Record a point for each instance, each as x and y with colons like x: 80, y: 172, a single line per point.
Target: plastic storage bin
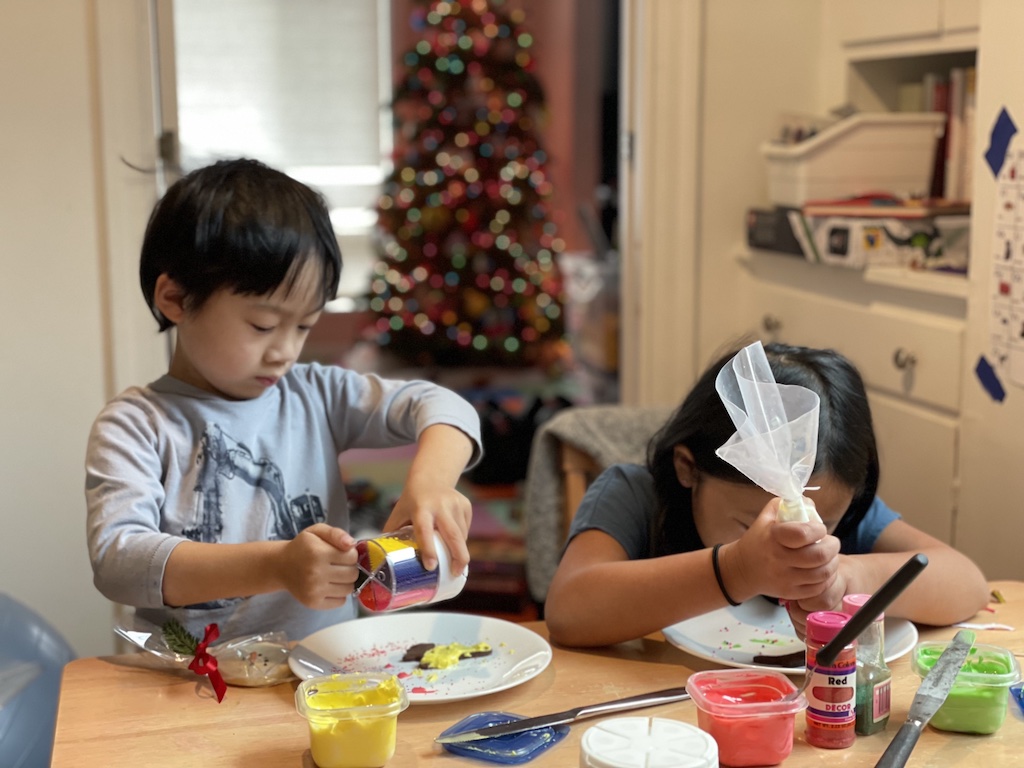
x: 353, y: 718
x: 746, y: 714
x: 892, y: 153
x: 978, y: 700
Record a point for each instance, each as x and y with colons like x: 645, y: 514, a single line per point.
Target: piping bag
x: 776, y: 436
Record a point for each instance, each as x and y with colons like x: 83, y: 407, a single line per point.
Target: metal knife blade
x: 651, y: 699
x: 931, y: 695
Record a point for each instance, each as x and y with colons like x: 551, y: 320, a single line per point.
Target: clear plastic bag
x: 253, y: 661
x: 776, y: 436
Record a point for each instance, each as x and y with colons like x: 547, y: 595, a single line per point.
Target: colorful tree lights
x: 467, y: 272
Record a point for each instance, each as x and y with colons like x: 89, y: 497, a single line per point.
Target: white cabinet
x: 869, y: 21
x: 872, y: 20
x: 961, y: 15
x: 951, y: 452
x: 907, y: 350
x: 917, y: 451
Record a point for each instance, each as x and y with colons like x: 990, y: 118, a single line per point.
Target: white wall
x: 751, y: 79
x: 991, y: 526
x: 59, y: 310
x: 51, y: 345
x: 712, y: 79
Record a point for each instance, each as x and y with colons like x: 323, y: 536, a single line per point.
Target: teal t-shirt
x: 621, y: 503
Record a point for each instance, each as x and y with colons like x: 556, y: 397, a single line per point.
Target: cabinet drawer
x: 899, y: 351
x: 917, y: 454
x: 872, y: 20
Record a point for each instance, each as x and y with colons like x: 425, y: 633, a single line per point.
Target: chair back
x: 28, y: 717
x: 568, y: 452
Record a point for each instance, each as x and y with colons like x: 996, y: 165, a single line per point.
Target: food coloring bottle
x: 831, y: 718
x: 392, y: 576
x: 873, y: 675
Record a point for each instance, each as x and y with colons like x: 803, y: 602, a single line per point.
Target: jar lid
x: 647, y: 742
x: 853, y: 603
x: 448, y: 586
x: 822, y: 626
x: 513, y: 749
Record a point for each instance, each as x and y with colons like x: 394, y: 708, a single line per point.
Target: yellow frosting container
x: 353, y: 718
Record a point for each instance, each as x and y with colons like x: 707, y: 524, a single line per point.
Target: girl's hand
x: 318, y: 566
x: 429, y: 507
x: 791, y: 561
x: 829, y: 599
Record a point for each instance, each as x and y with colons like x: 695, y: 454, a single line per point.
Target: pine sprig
x: 179, y: 639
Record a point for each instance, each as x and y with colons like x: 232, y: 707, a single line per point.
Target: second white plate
x: 733, y: 636
x: 377, y: 644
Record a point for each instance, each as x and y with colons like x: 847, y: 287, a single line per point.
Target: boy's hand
x: 319, y: 566
x: 792, y: 561
x: 435, y: 507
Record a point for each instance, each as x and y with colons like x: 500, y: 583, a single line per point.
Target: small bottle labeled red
x: 831, y: 695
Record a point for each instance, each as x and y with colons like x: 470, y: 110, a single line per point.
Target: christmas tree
x: 467, y: 272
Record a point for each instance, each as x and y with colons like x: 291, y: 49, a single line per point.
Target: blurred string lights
x: 467, y: 272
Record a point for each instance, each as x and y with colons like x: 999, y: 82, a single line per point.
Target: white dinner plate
x: 733, y: 636
x: 377, y: 644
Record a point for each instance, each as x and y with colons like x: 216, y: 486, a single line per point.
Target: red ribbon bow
x: 205, y: 663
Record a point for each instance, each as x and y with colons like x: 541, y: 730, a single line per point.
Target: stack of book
x: 953, y: 93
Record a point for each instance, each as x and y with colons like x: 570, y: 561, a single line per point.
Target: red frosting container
x: 743, y: 711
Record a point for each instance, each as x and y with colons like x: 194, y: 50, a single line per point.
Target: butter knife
x: 651, y: 699
x: 931, y: 695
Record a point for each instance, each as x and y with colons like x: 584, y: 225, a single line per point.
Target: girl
x: 694, y: 533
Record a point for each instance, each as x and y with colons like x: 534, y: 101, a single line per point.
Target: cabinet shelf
x: 939, y: 283
x: 942, y: 284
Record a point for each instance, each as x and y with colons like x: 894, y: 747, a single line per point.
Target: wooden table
x: 119, y: 710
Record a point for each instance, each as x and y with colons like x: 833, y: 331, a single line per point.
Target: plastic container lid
x: 513, y: 749
x: 647, y: 742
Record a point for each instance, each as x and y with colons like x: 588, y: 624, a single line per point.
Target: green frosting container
x: 978, y: 700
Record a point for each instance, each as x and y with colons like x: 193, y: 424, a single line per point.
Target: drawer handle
x: 903, y: 359
x: 771, y: 324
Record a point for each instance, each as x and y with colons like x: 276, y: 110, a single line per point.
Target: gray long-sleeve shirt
x: 170, y: 462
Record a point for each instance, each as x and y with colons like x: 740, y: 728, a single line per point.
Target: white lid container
x: 647, y: 742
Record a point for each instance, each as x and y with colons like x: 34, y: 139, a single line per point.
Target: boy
x: 214, y: 493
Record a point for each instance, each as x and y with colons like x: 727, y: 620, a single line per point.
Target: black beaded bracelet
x: 718, y: 574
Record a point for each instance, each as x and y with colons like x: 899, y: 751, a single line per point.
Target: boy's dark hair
x: 846, y: 439
x: 240, y: 225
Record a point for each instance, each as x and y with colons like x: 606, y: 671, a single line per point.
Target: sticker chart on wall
x: 1005, y: 359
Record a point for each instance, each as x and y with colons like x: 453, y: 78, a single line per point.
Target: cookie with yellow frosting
x: 431, y: 656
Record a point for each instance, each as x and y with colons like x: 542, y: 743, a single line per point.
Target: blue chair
x: 27, y: 719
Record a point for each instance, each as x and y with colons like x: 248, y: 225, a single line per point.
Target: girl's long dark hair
x: 846, y: 438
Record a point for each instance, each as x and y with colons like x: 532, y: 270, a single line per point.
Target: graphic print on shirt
x: 228, y: 477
